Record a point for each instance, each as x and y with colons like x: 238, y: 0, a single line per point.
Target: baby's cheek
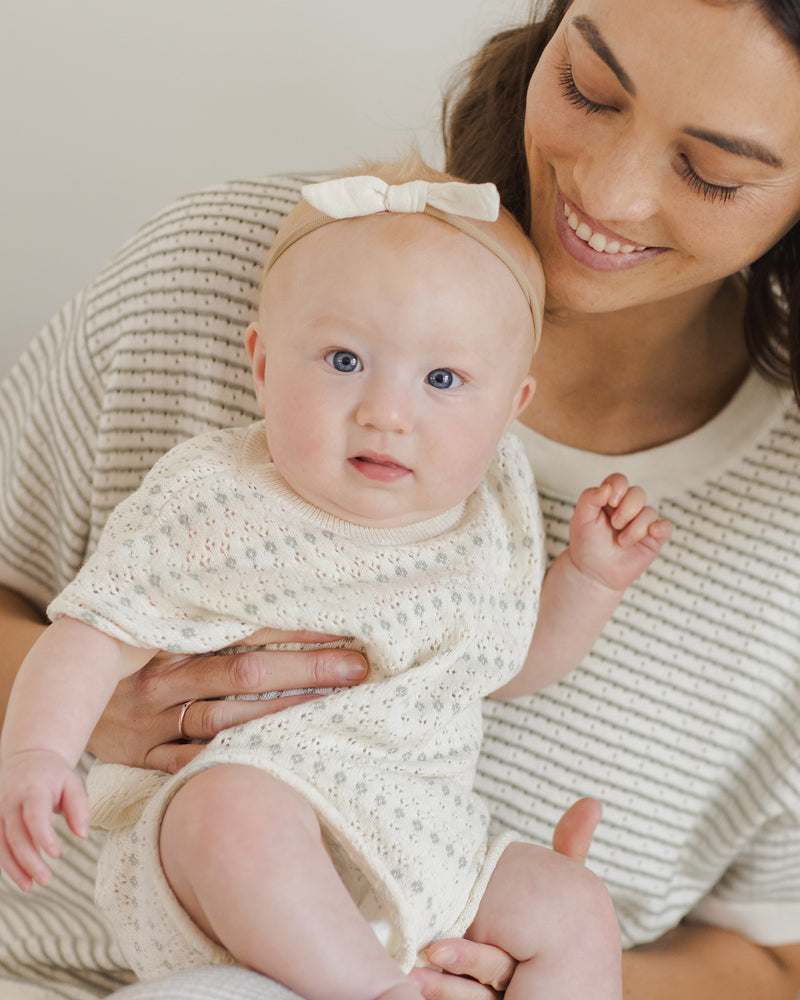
x: 466, y: 465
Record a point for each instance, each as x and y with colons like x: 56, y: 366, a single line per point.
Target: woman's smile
x: 596, y: 246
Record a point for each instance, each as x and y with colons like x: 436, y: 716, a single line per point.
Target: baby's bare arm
x: 614, y: 536
x: 58, y: 695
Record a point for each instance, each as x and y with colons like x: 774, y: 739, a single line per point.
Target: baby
x: 379, y: 499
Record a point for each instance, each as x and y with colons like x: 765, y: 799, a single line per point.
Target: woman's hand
x: 176, y: 698
x: 472, y: 971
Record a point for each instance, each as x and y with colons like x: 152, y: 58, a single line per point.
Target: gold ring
x: 182, y: 716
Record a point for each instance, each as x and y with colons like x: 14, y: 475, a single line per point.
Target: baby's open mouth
x: 376, y: 466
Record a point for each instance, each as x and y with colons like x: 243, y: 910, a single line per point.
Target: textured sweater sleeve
x: 163, y: 555
x: 49, y: 415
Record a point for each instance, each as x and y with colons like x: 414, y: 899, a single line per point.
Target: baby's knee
x: 536, y: 895
x: 232, y: 802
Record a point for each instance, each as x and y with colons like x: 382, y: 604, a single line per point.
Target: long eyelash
x: 710, y: 192
x: 570, y: 90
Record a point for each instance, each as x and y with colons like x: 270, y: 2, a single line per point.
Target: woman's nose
x: 386, y: 406
x: 617, y: 180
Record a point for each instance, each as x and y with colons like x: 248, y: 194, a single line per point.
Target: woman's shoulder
x: 192, y: 271
x: 164, y: 324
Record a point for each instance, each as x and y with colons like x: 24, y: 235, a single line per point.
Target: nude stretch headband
x: 355, y: 197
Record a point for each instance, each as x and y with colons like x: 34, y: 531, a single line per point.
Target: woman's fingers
x: 203, y: 720
x: 488, y: 969
x: 171, y: 757
x: 253, y: 671
x: 440, y: 986
x: 574, y: 831
x: 145, y: 710
x: 273, y: 636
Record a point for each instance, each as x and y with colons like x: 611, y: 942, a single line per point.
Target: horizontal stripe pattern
x: 683, y: 721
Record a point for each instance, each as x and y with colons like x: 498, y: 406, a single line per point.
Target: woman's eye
x: 577, y: 99
x: 443, y: 378
x: 344, y: 361
x: 709, y: 191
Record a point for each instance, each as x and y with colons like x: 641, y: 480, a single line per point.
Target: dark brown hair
x: 483, y: 118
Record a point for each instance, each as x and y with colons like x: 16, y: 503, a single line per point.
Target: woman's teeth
x: 597, y: 241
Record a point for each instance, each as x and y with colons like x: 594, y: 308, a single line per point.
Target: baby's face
x: 390, y: 356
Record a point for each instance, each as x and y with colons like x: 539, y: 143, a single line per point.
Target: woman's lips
x: 596, y: 247
x: 382, y: 468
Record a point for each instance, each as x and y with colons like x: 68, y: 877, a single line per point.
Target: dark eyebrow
x: 731, y: 144
x: 740, y: 147
x: 597, y: 43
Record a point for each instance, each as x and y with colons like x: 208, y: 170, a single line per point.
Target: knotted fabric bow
x: 452, y: 202
x: 352, y: 197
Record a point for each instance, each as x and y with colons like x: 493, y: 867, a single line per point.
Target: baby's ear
x: 522, y: 397
x: 254, y: 344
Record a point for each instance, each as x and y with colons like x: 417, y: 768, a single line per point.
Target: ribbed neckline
x: 255, y: 462
x: 670, y: 468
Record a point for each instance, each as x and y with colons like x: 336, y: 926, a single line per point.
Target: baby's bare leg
x: 244, y: 855
x: 556, y: 919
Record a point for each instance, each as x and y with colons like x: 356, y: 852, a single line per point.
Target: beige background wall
x: 112, y: 108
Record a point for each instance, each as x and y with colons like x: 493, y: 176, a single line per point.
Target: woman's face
x: 663, y: 143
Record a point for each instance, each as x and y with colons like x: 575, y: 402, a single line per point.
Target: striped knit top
x: 685, y: 719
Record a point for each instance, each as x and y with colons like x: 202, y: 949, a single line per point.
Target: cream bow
x: 351, y: 197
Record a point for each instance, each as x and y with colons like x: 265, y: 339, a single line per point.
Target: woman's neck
x: 619, y: 383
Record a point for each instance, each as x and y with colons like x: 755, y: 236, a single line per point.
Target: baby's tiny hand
x: 33, y: 785
x: 614, y: 534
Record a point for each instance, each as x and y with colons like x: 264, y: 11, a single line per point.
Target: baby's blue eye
x: 443, y: 378
x: 344, y: 361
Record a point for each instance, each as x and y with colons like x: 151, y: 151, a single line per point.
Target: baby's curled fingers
x: 615, y: 486
x: 21, y: 859
x: 628, y: 507
x: 75, y: 806
x: 602, y: 501
x: 37, y: 820
x: 8, y: 864
x: 646, y: 527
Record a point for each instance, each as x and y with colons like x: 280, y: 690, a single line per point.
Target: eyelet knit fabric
x: 215, y: 545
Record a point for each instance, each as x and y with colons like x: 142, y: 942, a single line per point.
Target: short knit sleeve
x: 147, y: 581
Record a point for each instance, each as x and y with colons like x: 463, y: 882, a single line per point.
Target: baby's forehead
x: 400, y: 231
x: 453, y: 246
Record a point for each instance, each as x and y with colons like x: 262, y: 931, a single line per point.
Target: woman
x: 659, y: 148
